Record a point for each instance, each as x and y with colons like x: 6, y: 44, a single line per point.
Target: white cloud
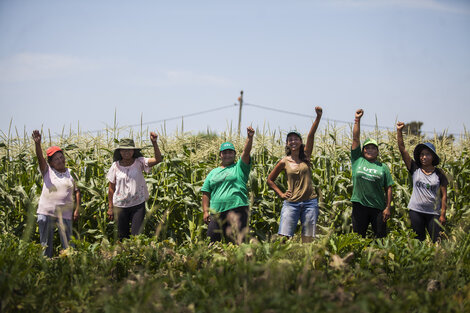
x: 35, y: 66
x: 460, y: 7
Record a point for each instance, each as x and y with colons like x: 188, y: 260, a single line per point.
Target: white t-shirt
x: 131, y: 188
x: 426, y: 195
x: 57, y: 194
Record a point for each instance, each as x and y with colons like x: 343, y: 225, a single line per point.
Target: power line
x: 259, y: 107
x: 172, y: 118
x: 333, y: 120
x: 311, y: 116
x: 184, y: 116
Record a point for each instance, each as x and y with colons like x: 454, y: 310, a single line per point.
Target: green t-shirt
x: 369, y: 181
x: 227, y: 186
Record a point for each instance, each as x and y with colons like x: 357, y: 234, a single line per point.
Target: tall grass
x: 171, y: 267
x: 174, y: 185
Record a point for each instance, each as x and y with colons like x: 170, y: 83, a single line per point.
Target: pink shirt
x: 131, y: 188
x: 57, y: 194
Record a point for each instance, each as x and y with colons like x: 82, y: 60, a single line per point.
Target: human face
x: 227, y: 157
x: 293, y: 142
x: 57, y: 161
x: 370, y: 152
x: 426, y: 157
x: 126, y: 154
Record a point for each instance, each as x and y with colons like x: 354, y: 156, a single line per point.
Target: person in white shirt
x: 127, y: 192
x: 428, y: 202
x: 56, y: 204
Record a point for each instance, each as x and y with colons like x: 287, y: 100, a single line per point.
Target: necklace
x: 428, y: 172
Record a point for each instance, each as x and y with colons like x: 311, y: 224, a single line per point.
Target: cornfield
x: 171, y: 267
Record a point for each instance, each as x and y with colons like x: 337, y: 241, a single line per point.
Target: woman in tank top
x: 428, y: 200
x: 300, y: 198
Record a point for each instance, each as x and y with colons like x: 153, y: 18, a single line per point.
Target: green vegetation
x: 171, y: 267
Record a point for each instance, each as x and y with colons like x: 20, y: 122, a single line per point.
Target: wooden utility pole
x: 240, y: 100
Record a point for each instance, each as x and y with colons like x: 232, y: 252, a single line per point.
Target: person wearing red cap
x: 428, y: 202
x: 56, y: 204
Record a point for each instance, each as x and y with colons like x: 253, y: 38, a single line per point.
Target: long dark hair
x: 303, y: 157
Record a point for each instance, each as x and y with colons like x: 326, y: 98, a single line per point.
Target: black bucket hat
x: 426, y: 145
x: 126, y: 144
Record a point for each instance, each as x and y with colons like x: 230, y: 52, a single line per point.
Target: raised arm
x: 156, y: 150
x: 280, y: 166
x: 37, y: 141
x: 357, y: 129
x: 248, y: 144
x: 311, y: 134
x: 401, y: 145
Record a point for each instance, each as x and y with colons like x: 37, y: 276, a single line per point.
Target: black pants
x: 362, y: 216
x: 231, y: 224
x: 422, y: 221
x: 133, y: 215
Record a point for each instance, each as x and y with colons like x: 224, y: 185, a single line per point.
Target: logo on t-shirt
x: 370, y: 174
x: 427, y: 186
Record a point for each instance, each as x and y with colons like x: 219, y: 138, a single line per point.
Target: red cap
x: 51, y: 150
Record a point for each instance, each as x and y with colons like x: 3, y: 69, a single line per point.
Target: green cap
x: 294, y: 132
x: 370, y: 141
x: 227, y: 146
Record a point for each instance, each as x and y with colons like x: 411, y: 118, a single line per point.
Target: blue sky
x: 69, y: 62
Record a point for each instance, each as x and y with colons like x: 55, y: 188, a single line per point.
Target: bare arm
x: 111, y: 189
x: 442, y: 218
x: 401, y: 145
x: 357, y: 130
x: 76, y: 214
x: 311, y: 134
x: 280, y: 166
x: 386, y: 213
x: 248, y: 145
x: 206, y: 199
x: 156, y: 150
x: 37, y: 141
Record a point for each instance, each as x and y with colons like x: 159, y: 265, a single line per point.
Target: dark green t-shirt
x: 369, y: 181
x: 227, y: 186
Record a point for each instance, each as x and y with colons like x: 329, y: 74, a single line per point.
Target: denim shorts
x: 307, y: 211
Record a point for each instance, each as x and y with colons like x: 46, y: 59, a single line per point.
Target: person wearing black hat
x: 127, y: 192
x: 372, y: 185
x: 300, y: 198
x: 428, y: 202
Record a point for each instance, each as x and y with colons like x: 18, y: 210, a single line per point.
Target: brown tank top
x: 299, y: 181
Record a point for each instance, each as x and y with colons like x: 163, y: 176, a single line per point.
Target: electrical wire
x: 333, y: 120
x: 259, y: 107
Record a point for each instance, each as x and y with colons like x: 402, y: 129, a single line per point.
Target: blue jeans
x: 46, y: 227
x: 307, y: 211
